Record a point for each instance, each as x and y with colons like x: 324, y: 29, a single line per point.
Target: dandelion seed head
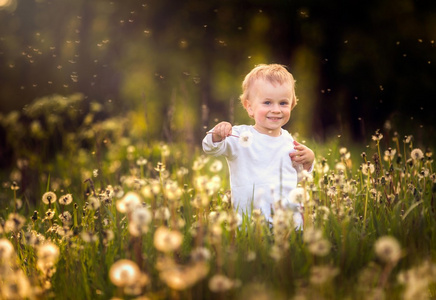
x: 246, y: 139
x: 320, y: 248
x: 141, y: 161
x: 176, y: 278
x: 88, y: 237
x: 200, y: 254
x: 48, y: 252
x: 220, y: 283
x: 167, y: 240
x: 14, y: 223
x: 6, y: 249
x: 216, y: 166
x: 298, y: 196
x: 66, y: 218
x: 124, y: 272
x: 388, y: 249
x: 312, y: 235
x: 66, y: 199
x: 321, y: 274
x: 49, y: 198
x: 129, y: 202
x: 417, y: 154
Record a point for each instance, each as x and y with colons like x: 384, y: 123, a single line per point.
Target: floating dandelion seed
x: 49, y: 198
x: 246, y: 139
x: 388, y: 249
x: 124, y: 273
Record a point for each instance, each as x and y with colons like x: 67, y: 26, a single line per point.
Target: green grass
x: 349, y: 213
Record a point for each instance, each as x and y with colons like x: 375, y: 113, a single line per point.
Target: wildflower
x: 246, y: 139
x: 221, y: 283
x: 66, y: 199
x: 124, y: 272
x: 166, y: 240
x: 417, y: 154
x: 6, y: 249
x: 388, y: 249
x: 49, y: 198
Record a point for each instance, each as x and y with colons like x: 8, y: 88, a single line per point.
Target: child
x: 261, y: 160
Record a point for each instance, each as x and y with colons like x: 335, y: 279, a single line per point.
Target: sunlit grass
x: 125, y: 218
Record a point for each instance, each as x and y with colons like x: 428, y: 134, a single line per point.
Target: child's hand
x: 302, y: 155
x: 221, y: 131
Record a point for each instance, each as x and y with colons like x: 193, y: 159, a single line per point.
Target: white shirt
x: 260, y: 174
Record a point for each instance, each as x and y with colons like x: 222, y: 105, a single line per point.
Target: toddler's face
x: 270, y: 106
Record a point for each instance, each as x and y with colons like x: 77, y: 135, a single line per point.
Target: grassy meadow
x: 91, y: 209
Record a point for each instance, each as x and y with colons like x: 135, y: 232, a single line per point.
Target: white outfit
x: 260, y: 174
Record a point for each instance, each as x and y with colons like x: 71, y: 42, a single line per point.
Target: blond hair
x: 273, y: 73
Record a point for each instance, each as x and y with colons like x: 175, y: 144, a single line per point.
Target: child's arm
x: 302, y: 155
x: 221, y: 131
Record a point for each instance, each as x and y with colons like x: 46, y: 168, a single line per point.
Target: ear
x: 248, y: 108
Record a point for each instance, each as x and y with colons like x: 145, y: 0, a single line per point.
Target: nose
x: 275, y: 108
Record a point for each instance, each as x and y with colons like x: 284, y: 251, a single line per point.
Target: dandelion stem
x: 211, y: 132
x: 366, y: 199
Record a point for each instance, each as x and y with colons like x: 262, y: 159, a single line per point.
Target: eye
x: 267, y: 102
x: 284, y: 103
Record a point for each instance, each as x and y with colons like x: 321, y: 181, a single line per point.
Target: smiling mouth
x: 274, y: 118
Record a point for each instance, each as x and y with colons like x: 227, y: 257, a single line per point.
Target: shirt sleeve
x: 211, y: 148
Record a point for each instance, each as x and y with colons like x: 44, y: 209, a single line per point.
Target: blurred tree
x: 177, y: 66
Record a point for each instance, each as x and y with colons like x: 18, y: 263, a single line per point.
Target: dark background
x: 359, y: 65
